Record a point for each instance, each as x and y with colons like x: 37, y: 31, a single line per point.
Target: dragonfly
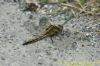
x: 50, y: 31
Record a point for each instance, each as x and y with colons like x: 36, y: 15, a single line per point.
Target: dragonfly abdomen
x: 34, y: 40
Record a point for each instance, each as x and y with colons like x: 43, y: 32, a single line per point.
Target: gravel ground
x: 78, y: 41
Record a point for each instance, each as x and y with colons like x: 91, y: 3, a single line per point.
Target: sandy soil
x: 79, y: 40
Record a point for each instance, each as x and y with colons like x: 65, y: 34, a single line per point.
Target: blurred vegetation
x: 85, y: 6
x: 81, y: 6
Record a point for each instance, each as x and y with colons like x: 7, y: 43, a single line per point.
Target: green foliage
x: 62, y: 1
x: 43, y: 1
x: 82, y: 2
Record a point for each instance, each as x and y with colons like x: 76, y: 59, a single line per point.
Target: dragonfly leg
x: 52, y: 41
